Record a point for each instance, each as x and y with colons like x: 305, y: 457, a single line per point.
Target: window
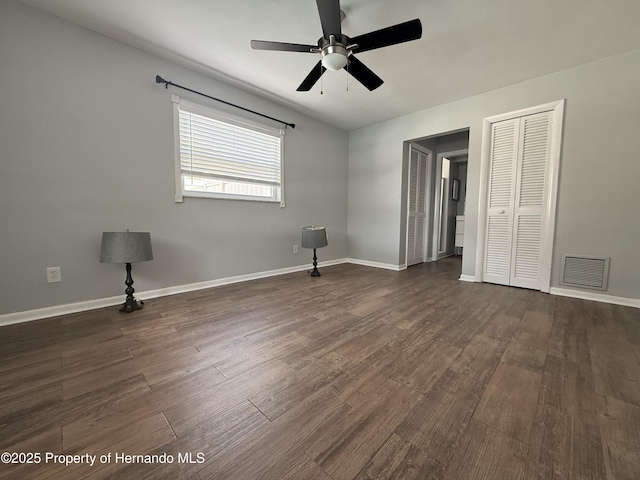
x: 220, y: 156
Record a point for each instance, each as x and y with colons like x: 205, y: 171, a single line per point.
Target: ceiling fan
x: 337, y: 49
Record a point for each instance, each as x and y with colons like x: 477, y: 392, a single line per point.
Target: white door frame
x: 546, y: 254
x: 435, y: 245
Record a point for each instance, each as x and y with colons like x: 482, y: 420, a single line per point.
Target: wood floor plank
x: 437, y: 421
x: 569, y: 387
x: 479, y: 358
x: 366, y: 376
x: 343, y: 459
x: 17, y: 402
x: 509, y: 401
x: 187, y: 414
x: 616, y: 372
x: 328, y: 434
x: 462, y: 325
x: 407, y: 318
x: 626, y: 317
x: 315, y: 328
x: 267, y: 448
x: 563, y: 446
x: 536, y: 323
x: 422, y: 370
x: 137, y: 401
x: 526, y: 350
x: 140, y: 438
x: 403, y: 460
x: 500, y: 327
x: 529, y: 344
x: 24, y: 338
x: 487, y: 454
x: 170, y: 367
x: 94, y: 379
x: 360, y: 347
x: 276, y: 399
x: 619, y: 423
x: 30, y: 421
x: 77, y: 338
x: 306, y: 470
x: 211, y: 438
x: 568, y: 337
x: 49, y: 440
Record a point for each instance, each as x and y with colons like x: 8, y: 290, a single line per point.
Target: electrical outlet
x: 295, y: 249
x: 54, y: 275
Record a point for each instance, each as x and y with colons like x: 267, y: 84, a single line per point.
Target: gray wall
x: 453, y: 142
x: 86, y: 146
x: 598, y: 190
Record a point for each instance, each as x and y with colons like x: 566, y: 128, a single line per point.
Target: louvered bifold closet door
x: 416, y: 207
x: 502, y: 175
x: 530, y: 196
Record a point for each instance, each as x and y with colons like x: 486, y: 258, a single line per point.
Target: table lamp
x: 127, y: 247
x: 314, y: 237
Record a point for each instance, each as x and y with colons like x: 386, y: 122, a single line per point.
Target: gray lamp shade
x: 125, y: 247
x: 314, y: 237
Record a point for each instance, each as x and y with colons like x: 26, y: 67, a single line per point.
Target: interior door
x: 502, y: 173
x: 529, y: 200
x: 416, y: 210
x: 518, y: 187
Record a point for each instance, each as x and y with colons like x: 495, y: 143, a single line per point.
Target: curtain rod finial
x: 159, y: 79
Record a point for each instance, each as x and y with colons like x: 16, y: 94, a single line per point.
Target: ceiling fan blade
x: 361, y: 72
x: 312, y: 78
x: 402, y: 32
x: 280, y: 46
x: 329, y: 11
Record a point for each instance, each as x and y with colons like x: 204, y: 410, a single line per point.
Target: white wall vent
x: 586, y: 272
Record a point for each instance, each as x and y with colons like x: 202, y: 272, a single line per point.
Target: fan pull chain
x: 347, y: 76
x: 321, y: 72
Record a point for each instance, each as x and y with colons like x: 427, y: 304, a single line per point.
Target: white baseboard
x: 40, y: 313
x: 368, y: 263
x: 596, y: 297
x: 467, y: 278
x: 30, y: 315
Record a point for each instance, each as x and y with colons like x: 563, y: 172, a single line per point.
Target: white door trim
x: 435, y: 239
x: 557, y: 116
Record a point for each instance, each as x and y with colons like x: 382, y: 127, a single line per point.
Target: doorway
x: 451, y: 170
x: 439, y: 207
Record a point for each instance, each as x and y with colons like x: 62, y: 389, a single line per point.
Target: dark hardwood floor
x: 359, y: 374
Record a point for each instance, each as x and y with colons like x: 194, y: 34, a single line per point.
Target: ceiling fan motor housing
x: 334, y: 54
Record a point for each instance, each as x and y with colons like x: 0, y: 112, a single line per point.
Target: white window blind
x: 226, y: 157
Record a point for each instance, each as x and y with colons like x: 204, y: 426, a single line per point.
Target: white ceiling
x: 467, y: 46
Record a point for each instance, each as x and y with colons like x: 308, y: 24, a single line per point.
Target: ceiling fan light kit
x: 334, y: 55
x: 337, y: 49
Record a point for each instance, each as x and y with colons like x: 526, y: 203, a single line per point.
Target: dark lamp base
x: 315, y: 272
x: 131, y: 305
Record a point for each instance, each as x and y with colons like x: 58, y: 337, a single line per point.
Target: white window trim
x: 180, y: 104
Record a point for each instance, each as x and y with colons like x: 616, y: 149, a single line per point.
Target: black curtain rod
x: 159, y: 79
